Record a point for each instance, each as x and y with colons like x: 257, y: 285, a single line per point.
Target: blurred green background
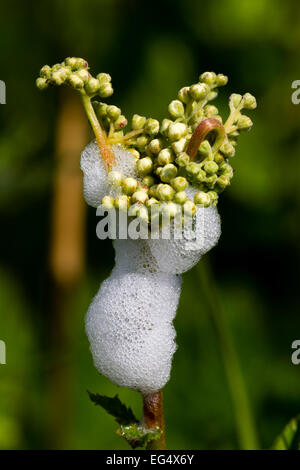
x: 151, y: 49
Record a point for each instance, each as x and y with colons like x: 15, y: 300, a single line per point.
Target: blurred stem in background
x: 245, y: 425
x: 67, y: 253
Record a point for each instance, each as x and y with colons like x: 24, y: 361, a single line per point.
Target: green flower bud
x: 165, y: 126
x: 219, y: 158
x: 221, y: 79
x: 202, y: 198
x: 165, y: 192
x: 192, y: 169
x: 155, y: 146
x: 205, y: 148
x: 139, y: 196
x: 144, y: 165
x: 223, y: 181
x: 165, y: 156
x: 115, y: 178
x: 179, y: 183
x: 244, y: 123
x: 201, y: 176
x: 153, y: 190
x: 176, y: 131
x: 208, y: 77
x: 138, y: 122
x: 169, y: 209
x: 105, y: 90
x: 199, y: 91
x: 168, y: 173
x: 210, y: 110
x: 45, y: 71
x: 249, y: 101
x: 108, y: 202
x: 113, y: 112
x: 41, y: 83
x: 148, y: 181
x: 142, y: 213
x: 176, y: 109
x: 152, y: 126
x: 211, y: 96
x: 213, y: 197
x: 100, y: 108
x: 183, y: 159
x: 158, y: 170
x: 179, y: 146
x: 120, y: 122
x: 104, y: 78
x: 180, y: 197
x: 226, y: 169
x: 83, y: 74
x: 142, y: 141
x: 184, y: 94
x: 130, y: 185
x: 75, y: 81
x: 152, y: 201
x: 189, y: 208
x: 227, y: 149
x: 58, y: 77
x: 211, y: 181
x: 72, y: 62
x: 235, y: 99
x: 81, y: 63
x: 92, y: 86
x: 211, y: 168
x: 122, y: 203
x: 135, y: 153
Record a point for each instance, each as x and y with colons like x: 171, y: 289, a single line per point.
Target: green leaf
x: 289, y: 439
x: 114, y: 407
x: 137, y: 436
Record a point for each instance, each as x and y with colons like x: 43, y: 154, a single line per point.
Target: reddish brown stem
x: 201, y: 131
x: 154, y: 418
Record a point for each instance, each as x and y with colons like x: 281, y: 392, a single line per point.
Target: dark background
x: 246, y: 293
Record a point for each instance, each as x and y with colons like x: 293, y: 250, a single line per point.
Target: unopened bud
x: 184, y: 95
x: 120, y: 122
x: 45, y: 71
x: 183, y: 159
x: 208, y: 77
x: 189, y: 208
x: 121, y: 203
x: 165, y: 192
x: 244, y: 123
x: 179, y: 146
x: 165, y: 156
x: 138, y: 122
x: 41, y: 83
x: 179, y: 183
x: 113, y: 112
x: 199, y: 91
x: 75, y: 81
x: 176, y: 109
x: 105, y: 90
x: 211, y: 167
x: 202, y: 198
x: 176, y: 131
x: 104, y: 78
x: 152, y: 126
x: 221, y: 79
x: 165, y: 126
x: 144, y: 165
x: 115, y: 178
x: 180, y: 197
x: 168, y: 173
x: 148, y: 181
x: 108, y: 202
x: 139, y: 196
x: 155, y: 146
x: 235, y: 99
x: 130, y: 185
x: 249, y: 101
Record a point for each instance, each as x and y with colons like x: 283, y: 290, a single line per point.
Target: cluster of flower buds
x: 167, y: 174
x: 74, y: 71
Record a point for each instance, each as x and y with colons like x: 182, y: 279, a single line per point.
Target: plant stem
x: 105, y: 150
x: 201, y: 131
x: 243, y: 414
x: 154, y: 418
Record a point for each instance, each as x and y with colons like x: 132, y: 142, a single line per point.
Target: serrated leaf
x: 137, y: 436
x: 289, y: 439
x: 122, y: 414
